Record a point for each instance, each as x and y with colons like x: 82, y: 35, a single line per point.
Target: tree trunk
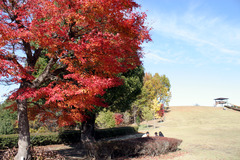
x: 23, y: 129
x: 134, y: 114
x: 87, y: 130
x: 87, y: 136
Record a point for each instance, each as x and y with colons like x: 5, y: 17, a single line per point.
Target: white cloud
x: 211, y: 36
x: 155, y: 58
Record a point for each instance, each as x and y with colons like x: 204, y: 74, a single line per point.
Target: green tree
x: 164, y: 95
x: 8, y: 119
x: 121, y: 97
x: 105, y: 119
x: 147, y: 113
x: 158, y: 87
x: 155, y: 87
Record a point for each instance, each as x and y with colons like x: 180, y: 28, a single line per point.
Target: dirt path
x: 208, y: 133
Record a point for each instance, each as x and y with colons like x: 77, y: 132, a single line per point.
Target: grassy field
x: 208, y: 133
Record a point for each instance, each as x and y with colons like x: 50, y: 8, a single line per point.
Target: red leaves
x: 22, y: 94
x: 94, y: 39
x: 118, y: 118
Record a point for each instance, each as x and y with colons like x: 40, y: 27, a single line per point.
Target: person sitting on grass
x: 146, y: 134
x: 161, y: 134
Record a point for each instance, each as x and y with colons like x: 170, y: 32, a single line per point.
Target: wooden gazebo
x: 221, y: 101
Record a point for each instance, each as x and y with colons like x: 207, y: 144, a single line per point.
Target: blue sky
x: 196, y: 44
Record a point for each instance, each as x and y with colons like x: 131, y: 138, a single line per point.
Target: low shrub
x: 66, y: 137
x: 70, y: 136
x: 149, y: 146
x: 118, y: 118
x: 10, y: 141
x: 115, y: 132
x: 105, y: 119
x: 45, y: 139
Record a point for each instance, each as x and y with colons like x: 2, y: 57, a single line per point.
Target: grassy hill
x: 207, y: 132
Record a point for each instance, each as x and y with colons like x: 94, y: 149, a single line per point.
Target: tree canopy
x: 156, y: 90
x: 92, y: 40
x: 121, y: 97
x: 155, y: 87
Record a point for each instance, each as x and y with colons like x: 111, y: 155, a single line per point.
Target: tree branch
x: 28, y: 51
x: 38, y: 81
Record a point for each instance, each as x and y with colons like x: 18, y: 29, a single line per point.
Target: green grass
x: 143, y: 127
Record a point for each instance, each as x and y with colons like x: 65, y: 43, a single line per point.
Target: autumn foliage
x: 86, y: 44
x: 118, y: 118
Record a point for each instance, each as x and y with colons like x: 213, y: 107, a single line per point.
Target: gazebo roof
x: 221, y: 99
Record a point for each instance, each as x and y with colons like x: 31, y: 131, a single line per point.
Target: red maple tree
x: 86, y: 44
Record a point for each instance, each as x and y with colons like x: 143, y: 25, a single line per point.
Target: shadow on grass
x: 167, y: 111
x: 75, y: 152
x: 146, y: 127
